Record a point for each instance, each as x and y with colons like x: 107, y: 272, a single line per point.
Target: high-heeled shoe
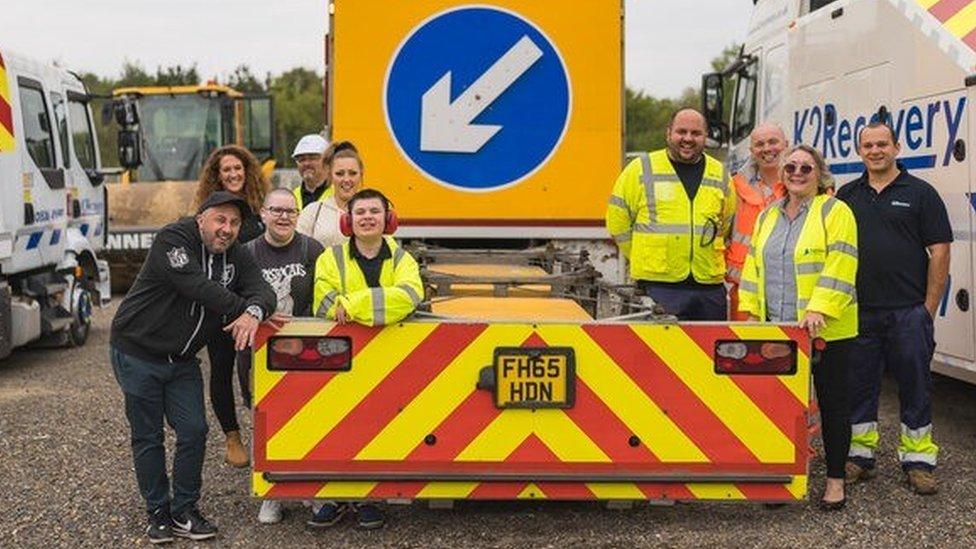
x: 833, y: 505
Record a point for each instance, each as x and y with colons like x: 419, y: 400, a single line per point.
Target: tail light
x: 318, y: 353
x: 755, y: 357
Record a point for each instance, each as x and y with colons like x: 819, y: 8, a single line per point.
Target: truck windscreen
x: 179, y: 132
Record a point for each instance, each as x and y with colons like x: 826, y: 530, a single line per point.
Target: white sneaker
x: 270, y: 512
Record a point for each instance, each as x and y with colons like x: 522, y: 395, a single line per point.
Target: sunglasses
x: 791, y: 168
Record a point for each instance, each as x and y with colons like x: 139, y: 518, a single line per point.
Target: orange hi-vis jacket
x: 750, y: 201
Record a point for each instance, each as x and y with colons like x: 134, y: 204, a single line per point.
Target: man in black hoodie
x: 194, y: 274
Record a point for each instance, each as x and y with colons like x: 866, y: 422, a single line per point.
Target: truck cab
x: 789, y: 72
x: 52, y: 219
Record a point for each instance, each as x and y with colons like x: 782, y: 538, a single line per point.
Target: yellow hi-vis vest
x: 297, y: 191
x: 339, y: 280
x: 665, y: 235
x: 824, y: 264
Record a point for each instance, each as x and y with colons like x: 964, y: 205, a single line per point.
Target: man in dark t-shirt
x: 285, y: 257
x: 903, y: 234
x: 286, y: 260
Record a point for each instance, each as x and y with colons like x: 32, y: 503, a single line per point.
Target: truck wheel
x: 81, y: 313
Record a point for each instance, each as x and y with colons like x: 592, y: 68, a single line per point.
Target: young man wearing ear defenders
x: 370, y: 280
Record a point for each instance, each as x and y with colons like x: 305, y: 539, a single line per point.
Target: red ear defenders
x: 389, y: 224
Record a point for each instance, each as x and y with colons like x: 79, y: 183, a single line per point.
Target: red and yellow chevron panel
x: 650, y: 420
x: 7, y: 142
x: 957, y: 16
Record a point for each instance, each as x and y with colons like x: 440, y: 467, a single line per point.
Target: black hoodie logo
x: 228, y: 275
x: 178, y: 258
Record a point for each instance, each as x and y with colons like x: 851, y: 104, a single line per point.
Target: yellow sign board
x: 502, y: 113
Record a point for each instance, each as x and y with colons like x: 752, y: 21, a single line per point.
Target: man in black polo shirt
x: 903, y: 241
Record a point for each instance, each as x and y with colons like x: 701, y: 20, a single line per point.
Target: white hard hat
x: 312, y: 143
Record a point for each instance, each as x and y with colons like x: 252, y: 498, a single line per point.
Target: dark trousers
x: 901, y: 340
x: 688, y: 303
x: 830, y: 378
x: 244, y: 375
x: 222, y: 355
x: 174, y: 391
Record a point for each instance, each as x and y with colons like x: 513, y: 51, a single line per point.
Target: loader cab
x: 166, y: 133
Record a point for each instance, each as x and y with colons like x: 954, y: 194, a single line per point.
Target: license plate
x: 535, y: 377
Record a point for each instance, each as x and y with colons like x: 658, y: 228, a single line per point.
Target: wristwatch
x: 255, y: 311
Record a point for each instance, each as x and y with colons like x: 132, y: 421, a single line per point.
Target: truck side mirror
x: 126, y: 114
x: 130, y: 151
x: 713, y: 103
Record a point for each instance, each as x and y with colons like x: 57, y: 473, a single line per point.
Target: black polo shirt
x: 894, y: 227
x: 371, y: 268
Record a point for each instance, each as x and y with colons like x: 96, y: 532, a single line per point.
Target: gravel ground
x: 66, y: 473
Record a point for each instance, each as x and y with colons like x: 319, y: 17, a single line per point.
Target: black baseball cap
x: 224, y: 197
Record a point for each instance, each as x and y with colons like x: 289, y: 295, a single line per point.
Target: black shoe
x: 369, y: 516
x: 328, y: 515
x: 160, y: 529
x: 833, y: 505
x: 190, y: 524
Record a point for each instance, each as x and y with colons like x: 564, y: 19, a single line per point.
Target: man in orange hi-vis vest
x: 757, y: 185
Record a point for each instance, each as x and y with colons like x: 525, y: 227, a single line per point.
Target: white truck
x: 52, y: 210
x: 823, y: 69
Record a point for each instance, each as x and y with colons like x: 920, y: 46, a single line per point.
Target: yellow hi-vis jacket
x: 339, y: 281
x: 665, y: 235
x: 824, y: 264
x: 297, y: 191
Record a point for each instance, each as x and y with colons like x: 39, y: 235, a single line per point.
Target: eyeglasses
x: 281, y: 212
x: 791, y: 168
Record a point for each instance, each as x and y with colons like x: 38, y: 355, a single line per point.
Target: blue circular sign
x: 477, y: 98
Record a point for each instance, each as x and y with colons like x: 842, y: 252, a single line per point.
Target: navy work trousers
x: 901, y: 340
x: 688, y: 303
x: 174, y: 391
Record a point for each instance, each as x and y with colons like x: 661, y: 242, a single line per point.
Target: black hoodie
x: 184, y: 295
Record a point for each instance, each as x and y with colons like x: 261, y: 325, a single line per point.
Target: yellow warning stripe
x: 441, y: 396
x: 926, y: 4
x: 460, y: 490
x: 7, y: 142
x: 719, y: 393
x: 628, y: 401
x: 341, y: 395
x: 963, y: 22
x: 559, y: 433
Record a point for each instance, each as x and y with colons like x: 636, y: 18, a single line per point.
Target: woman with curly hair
x: 234, y: 169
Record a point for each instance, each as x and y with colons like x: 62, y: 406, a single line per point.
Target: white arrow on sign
x: 445, y: 126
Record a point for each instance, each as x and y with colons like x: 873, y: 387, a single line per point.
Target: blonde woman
x: 320, y: 220
x: 801, y: 269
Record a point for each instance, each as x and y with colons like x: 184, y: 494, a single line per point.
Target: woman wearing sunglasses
x: 801, y: 270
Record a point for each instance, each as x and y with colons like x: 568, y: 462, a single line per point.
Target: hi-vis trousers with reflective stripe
x: 901, y: 341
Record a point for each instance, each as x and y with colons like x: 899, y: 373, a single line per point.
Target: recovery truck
x: 823, y: 69
x: 532, y: 370
x: 166, y: 133
x: 52, y: 217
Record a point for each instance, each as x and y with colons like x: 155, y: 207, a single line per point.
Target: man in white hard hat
x: 309, y: 155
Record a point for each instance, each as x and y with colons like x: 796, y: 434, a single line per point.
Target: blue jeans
x: 154, y: 390
x: 703, y: 303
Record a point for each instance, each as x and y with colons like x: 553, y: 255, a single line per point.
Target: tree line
x: 298, y: 102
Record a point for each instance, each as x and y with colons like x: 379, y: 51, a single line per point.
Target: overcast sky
x: 668, y: 42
